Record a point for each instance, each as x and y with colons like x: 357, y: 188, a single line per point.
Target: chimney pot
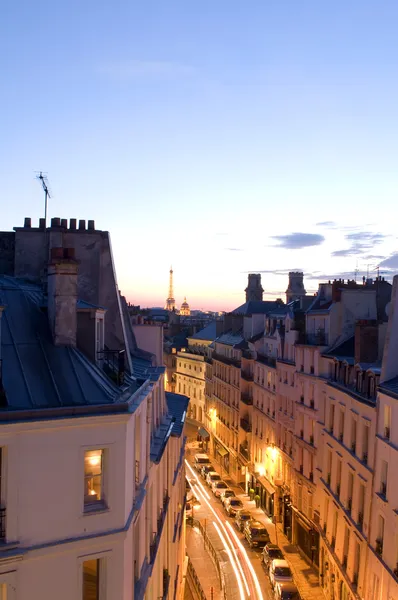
x: 82, y: 224
x: 72, y: 224
x: 64, y: 223
x: 42, y: 223
x: 91, y: 225
x: 28, y: 222
x: 55, y: 222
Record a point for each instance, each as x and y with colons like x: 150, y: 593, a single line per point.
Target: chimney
x: 254, y: 291
x: 295, y: 290
x: 366, y: 341
x: 62, y: 296
x: 72, y: 223
x: 28, y: 222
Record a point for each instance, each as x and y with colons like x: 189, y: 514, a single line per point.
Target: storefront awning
x: 266, y: 484
x: 203, y: 433
x: 222, y: 451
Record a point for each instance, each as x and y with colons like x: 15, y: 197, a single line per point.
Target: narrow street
x: 245, y: 576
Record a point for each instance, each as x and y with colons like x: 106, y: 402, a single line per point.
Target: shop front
x: 203, y: 438
x: 305, y: 536
x: 221, y: 454
x: 266, y: 491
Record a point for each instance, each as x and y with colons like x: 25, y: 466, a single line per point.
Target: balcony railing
x: 246, y: 375
x: 266, y: 360
x: 246, y: 399
x: 113, y: 363
x: 320, y: 338
x: 245, y: 452
x: 246, y: 425
x: 225, y: 359
x: 379, y: 547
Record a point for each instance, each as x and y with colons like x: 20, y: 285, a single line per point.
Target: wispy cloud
x: 391, y: 262
x: 297, y: 240
x: 132, y: 69
x: 331, y: 224
x: 361, y: 242
x: 235, y: 249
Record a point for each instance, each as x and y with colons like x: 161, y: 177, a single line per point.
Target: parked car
x: 270, y: 552
x: 218, y: 487
x: 232, y: 505
x: 286, y: 591
x: 279, y: 572
x: 228, y: 493
x: 242, y: 517
x: 205, y: 469
x: 256, y: 534
x: 211, y: 477
x: 200, y: 460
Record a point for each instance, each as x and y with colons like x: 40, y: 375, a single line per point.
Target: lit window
x: 91, y: 579
x: 93, y: 477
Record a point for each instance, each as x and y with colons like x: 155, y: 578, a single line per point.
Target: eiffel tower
x: 170, y: 302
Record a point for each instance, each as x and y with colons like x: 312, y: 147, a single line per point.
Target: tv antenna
x: 44, y: 183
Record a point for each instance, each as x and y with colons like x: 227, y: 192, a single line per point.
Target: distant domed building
x: 185, y: 311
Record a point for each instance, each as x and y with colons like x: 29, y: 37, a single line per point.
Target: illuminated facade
x: 185, y: 311
x: 92, y: 479
x: 316, y: 439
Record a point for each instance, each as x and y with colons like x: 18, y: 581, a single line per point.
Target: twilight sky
x: 219, y: 137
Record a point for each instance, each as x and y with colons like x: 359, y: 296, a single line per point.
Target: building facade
x: 91, y: 448
x: 315, y: 383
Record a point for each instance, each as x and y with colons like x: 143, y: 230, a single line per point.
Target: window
x: 383, y: 477
x: 91, y: 579
x: 387, y: 421
x: 93, y: 478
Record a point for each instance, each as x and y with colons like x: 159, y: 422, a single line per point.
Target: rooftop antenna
x: 44, y: 182
x: 356, y: 272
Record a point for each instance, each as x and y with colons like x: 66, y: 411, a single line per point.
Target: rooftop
x: 257, y: 307
x: 37, y: 374
x: 208, y: 333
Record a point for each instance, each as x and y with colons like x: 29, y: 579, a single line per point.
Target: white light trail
x: 202, y: 490
x: 232, y: 560
x: 249, y: 564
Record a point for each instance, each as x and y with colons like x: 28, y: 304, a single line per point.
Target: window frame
x: 103, y: 558
x: 102, y: 504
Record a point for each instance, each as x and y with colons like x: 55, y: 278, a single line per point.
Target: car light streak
x: 202, y: 490
x: 249, y: 564
x: 232, y: 561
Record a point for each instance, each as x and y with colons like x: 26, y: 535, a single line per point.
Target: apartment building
x: 382, y: 556
x: 320, y: 443
x: 91, y: 448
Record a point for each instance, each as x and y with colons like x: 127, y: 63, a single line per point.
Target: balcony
x: 379, y: 547
x: 226, y: 360
x: 154, y: 544
x: 245, y: 452
x: 266, y: 360
x: 246, y: 399
x: 246, y: 425
x: 246, y: 375
x: 320, y: 338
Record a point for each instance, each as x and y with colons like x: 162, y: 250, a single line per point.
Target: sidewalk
x: 305, y: 576
x: 203, y: 563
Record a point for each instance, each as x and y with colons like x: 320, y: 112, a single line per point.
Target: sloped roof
x: 230, y: 338
x: 256, y: 307
x: 37, y: 374
x: 390, y: 387
x: 177, y: 405
x: 345, y: 349
x: 208, y: 333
